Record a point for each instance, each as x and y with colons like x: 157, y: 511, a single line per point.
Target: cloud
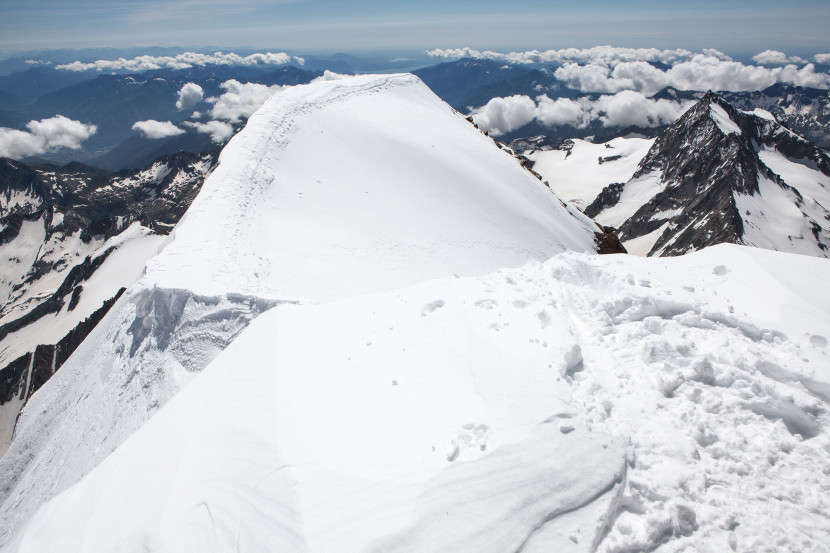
x: 182, y: 61
x: 702, y: 72
x: 219, y: 131
x: 189, y: 95
x: 501, y: 115
x: 38, y: 62
x: 157, y: 129
x: 600, y: 55
x: 605, y: 69
x: 44, y: 136
x: 774, y: 57
x: 330, y: 76
x: 240, y: 101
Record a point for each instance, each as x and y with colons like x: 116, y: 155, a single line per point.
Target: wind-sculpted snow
x: 138, y: 357
x: 588, y: 403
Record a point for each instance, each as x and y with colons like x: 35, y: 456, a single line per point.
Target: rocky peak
x: 703, y: 165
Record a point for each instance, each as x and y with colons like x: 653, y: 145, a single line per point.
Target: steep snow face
x: 590, y: 403
x: 358, y: 185
x: 333, y: 189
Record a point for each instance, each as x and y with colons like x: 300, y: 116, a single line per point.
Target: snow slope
x: 333, y: 189
x: 580, y: 173
x: 373, y: 176
x: 588, y: 403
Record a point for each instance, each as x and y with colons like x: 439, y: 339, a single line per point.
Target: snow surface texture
x: 332, y: 189
x: 588, y: 403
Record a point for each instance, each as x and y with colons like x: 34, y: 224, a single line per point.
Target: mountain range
x: 718, y: 174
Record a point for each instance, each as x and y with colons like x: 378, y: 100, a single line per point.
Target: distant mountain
x: 71, y: 237
x: 459, y: 82
x: 31, y: 84
x: 138, y: 151
x: 533, y: 83
x: 115, y: 102
x: 805, y: 111
x: 716, y: 175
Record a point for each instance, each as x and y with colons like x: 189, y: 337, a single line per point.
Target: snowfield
x: 582, y: 404
x: 578, y: 175
x: 356, y: 342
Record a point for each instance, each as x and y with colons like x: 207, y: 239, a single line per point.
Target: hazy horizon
x: 743, y: 28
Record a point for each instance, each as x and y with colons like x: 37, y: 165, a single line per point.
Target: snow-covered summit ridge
x: 357, y: 185
x: 333, y: 189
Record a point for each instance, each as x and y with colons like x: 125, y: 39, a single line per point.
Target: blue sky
x: 735, y: 26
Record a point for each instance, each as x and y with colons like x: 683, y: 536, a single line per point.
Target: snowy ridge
x: 321, y: 196
x: 387, y: 184
x: 695, y: 407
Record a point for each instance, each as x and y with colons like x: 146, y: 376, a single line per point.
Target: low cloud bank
x: 503, y: 115
x: 44, y: 136
x: 603, y: 55
x: 181, y: 61
x: 605, y: 69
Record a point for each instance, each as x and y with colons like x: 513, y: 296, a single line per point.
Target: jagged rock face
x: 804, y: 110
x: 688, y: 190
x: 700, y: 167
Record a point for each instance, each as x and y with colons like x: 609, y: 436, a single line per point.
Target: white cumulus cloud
x: 501, y: 115
x: 44, y: 136
x: 822, y: 58
x: 774, y: 57
x: 330, y: 76
x: 157, y: 129
x: 240, y: 101
x: 189, y: 95
x: 700, y: 73
x: 219, y: 131
x: 182, y: 61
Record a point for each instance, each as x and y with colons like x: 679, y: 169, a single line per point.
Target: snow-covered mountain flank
x: 71, y: 238
x: 716, y: 175
x: 375, y: 331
